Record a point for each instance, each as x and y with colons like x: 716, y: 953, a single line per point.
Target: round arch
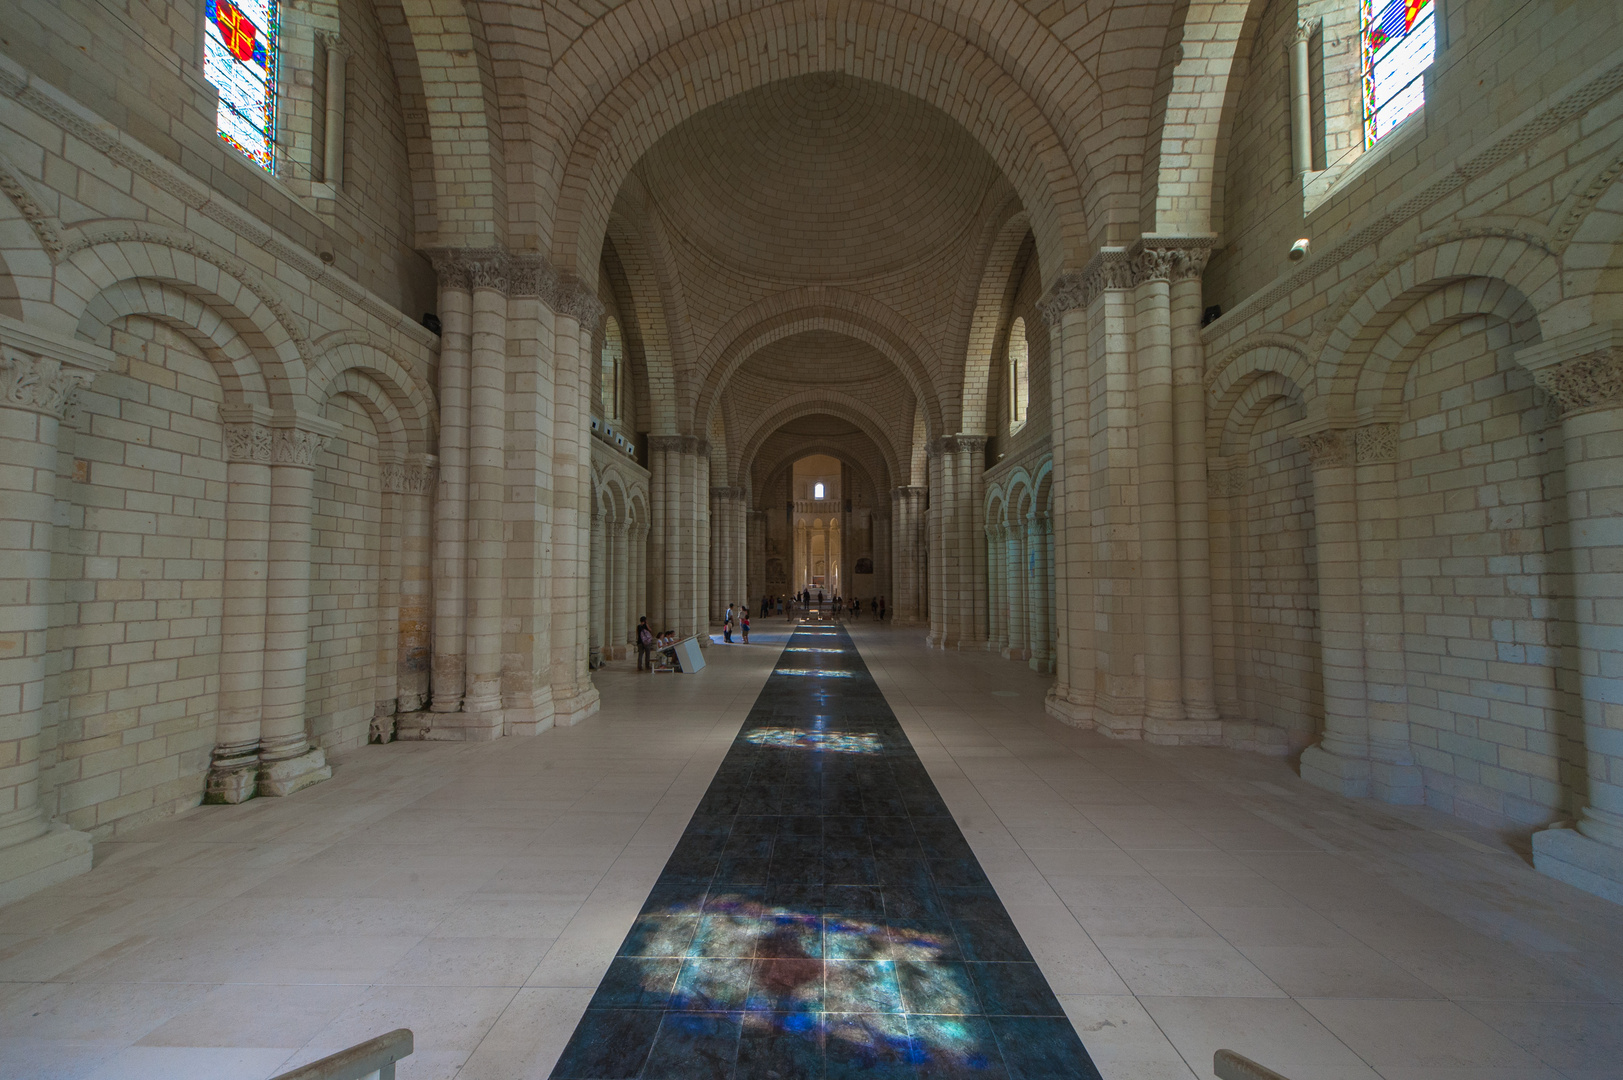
x: 812, y: 403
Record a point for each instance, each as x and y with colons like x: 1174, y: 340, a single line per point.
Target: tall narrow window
x: 613, y: 357
x: 1400, y: 39
x: 239, y: 58
x: 817, y: 491
x: 1019, y: 376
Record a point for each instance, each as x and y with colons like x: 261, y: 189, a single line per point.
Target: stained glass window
x: 239, y: 58
x: 1019, y: 375
x: 1400, y: 38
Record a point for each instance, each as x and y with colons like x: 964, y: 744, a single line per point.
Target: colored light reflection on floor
x: 823, y: 918
x: 821, y: 673
x: 825, y: 649
x: 838, y: 742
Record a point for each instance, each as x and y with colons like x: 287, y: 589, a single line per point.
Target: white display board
x: 689, y: 655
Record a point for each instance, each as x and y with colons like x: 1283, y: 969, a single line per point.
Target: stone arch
x: 1195, y: 94
x: 815, y: 445
x: 811, y: 403
x: 1242, y: 367
x: 235, y: 360
x: 29, y: 239
x: 1265, y: 387
x: 412, y: 400
x: 996, y: 505
x: 1021, y: 495
x: 819, y: 308
x: 657, y: 300
x: 95, y: 265
x: 1042, y: 487
x: 1387, y: 359
x: 374, y: 399
x: 617, y: 500
x: 657, y: 78
x: 992, y: 299
x: 1382, y: 296
x: 469, y: 207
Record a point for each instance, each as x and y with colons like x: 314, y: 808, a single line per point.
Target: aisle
x: 822, y: 915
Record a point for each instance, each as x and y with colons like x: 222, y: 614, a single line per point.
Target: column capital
x: 906, y: 491
x: 1375, y: 443
x: 1169, y: 258
x: 1075, y: 290
x: 1305, y: 29
x: 1327, y: 448
x: 332, y: 42
x: 1582, y: 370
x: 414, y: 476
x: 954, y: 444
x: 41, y: 372
x: 1041, y: 521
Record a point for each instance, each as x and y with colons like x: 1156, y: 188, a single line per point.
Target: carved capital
x: 293, y: 446
x: 574, y: 300
x: 333, y: 43
x: 1075, y: 291
x: 39, y: 383
x: 1305, y: 29
x: 1328, y: 449
x: 665, y: 444
x: 409, y: 477
x: 1040, y: 522
x: 1170, y: 259
x: 1590, y: 381
x: 248, y: 442
x: 1375, y: 443
x: 1227, y: 482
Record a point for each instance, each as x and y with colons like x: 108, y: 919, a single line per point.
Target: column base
x: 278, y: 778
x: 460, y: 726
x: 1059, y: 705
x: 1582, y: 862
x: 54, y: 856
x: 1349, y: 777
x: 1400, y: 785
x: 1183, y: 732
x: 572, y: 709
x: 232, y: 785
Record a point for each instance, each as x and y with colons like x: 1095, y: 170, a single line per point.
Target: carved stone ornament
x: 1327, y: 449
x: 1229, y: 482
x: 407, y: 478
x: 290, y: 446
x: 1589, y: 381
x: 1040, y: 522
x: 1110, y: 269
x: 1376, y: 442
x: 38, y: 383
x: 248, y: 442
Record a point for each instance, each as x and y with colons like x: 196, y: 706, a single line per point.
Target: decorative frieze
x: 39, y: 383
x: 1376, y: 443
x: 518, y: 274
x: 408, y: 478
x: 1167, y: 258
x: 956, y: 444
x: 1229, y: 482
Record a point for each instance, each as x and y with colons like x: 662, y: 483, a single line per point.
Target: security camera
x: 1299, y: 250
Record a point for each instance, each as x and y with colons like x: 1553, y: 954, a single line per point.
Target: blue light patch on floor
x: 823, y: 918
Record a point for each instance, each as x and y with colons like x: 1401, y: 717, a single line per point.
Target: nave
x: 1176, y: 899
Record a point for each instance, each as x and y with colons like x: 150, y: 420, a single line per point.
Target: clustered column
x: 728, y: 550
x: 909, y: 555
x: 679, y: 545
x: 958, y: 609
x: 36, y: 392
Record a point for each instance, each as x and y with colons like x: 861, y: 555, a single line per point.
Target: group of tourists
x: 809, y: 599
x: 650, y: 644
x: 739, y: 615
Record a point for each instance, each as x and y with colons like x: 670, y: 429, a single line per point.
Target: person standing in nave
x: 645, y: 645
x: 727, y: 625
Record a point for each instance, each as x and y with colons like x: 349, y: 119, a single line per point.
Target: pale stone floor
x: 1178, y: 900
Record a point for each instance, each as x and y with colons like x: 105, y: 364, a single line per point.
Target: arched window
x: 1399, y: 41
x: 1019, y: 375
x: 239, y: 58
x: 613, y: 355
x: 817, y: 491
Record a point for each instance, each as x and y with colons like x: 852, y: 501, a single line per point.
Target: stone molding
x: 1327, y: 448
x: 39, y: 384
x: 1152, y: 258
x: 906, y: 491
x: 1591, y: 381
x: 1226, y: 483
x: 1375, y: 443
x: 678, y: 444
x: 727, y: 493
x: 296, y: 446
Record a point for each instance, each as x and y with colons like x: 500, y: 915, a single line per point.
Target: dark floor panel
x: 823, y: 917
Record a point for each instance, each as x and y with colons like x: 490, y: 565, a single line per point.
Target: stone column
x: 482, y: 694
x: 1039, y: 535
x: 450, y: 502
x: 234, y: 762
x: 416, y: 547
x: 1394, y: 776
x: 755, y: 576
x: 1301, y: 100
x: 997, y: 592
x: 1340, y: 760
x: 287, y: 761
x: 661, y: 600
x: 909, y: 547
x: 386, y: 616
x: 1014, y: 562
x: 957, y: 556
x: 1071, y: 697
x: 884, y: 575
x: 1194, y: 511
x: 716, y: 602
x: 1157, y: 497
x: 617, y: 630
x: 597, y: 597
x: 1583, y: 373
x: 639, y: 578
x: 332, y: 159
x: 36, y: 392
x: 1227, y: 485
x: 578, y: 312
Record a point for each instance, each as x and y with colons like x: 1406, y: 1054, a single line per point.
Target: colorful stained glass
x: 239, y: 58
x: 1400, y: 39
